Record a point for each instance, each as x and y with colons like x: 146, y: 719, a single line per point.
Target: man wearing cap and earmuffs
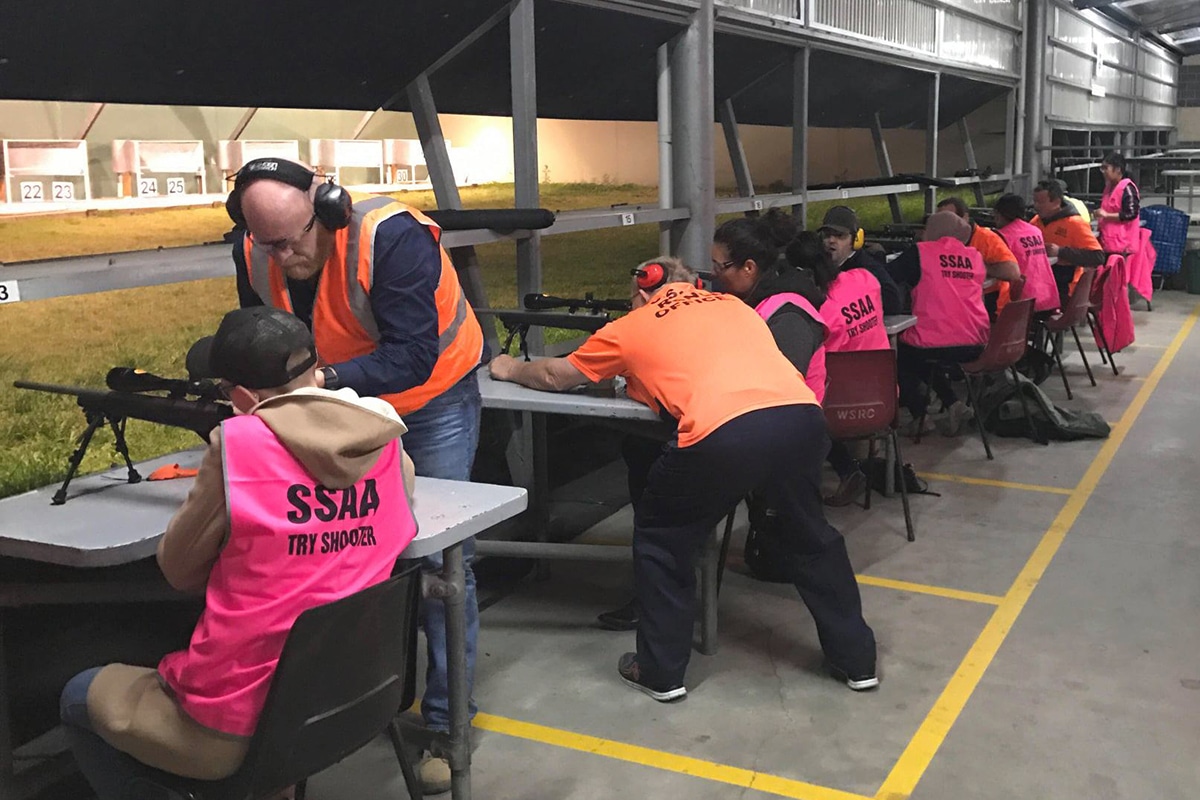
x: 368, y: 275
x: 746, y: 420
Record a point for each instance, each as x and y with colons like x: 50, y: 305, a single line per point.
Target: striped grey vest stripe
x: 360, y: 298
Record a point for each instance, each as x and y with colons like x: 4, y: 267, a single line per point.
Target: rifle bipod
x: 95, y: 419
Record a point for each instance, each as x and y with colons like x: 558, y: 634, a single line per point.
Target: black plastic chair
x: 347, y: 669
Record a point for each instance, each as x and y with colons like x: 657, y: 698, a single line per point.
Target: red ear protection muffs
x: 652, y: 276
x: 331, y: 203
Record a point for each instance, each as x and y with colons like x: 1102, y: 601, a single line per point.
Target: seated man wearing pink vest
x: 946, y: 277
x: 302, y: 498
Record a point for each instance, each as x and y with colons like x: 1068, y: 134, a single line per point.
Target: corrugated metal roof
x: 1176, y: 22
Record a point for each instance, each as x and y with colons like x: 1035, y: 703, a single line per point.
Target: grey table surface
x: 107, y: 521
x: 894, y: 323
x: 586, y: 403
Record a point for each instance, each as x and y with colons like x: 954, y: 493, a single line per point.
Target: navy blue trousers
x: 778, y: 451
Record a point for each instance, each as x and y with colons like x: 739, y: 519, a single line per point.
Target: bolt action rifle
x: 539, y: 310
x: 131, y: 394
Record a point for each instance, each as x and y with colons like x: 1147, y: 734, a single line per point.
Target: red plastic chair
x: 861, y: 403
x: 1006, y: 346
x: 1074, y: 313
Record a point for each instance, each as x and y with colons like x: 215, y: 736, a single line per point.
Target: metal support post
x: 450, y: 589
x: 240, y: 128
x: 932, y: 126
x: 665, y: 195
x: 885, y: 164
x: 522, y: 44
x: 1011, y: 142
x: 737, y: 154
x: 964, y: 133
x: 692, y: 116
x: 445, y: 190
x: 1035, y: 85
x: 800, y: 73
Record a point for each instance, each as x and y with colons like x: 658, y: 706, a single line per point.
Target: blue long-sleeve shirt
x: 408, y: 267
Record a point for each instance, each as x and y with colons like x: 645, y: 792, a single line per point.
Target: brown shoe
x: 848, y: 490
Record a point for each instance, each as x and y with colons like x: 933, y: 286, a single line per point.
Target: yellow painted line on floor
x: 907, y: 772
x: 1024, y: 487
x: 684, y: 765
x: 937, y: 591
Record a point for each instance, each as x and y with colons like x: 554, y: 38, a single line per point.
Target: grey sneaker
x: 434, y: 774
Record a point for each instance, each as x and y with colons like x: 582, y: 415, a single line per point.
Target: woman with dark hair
x: 750, y: 261
x: 1120, y: 207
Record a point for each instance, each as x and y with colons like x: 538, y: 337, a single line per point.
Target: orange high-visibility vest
x: 342, y: 322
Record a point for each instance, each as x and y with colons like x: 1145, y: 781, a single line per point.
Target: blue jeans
x: 441, y: 440
x: 113, y: 775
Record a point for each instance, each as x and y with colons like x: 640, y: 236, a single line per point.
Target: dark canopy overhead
x: 296, y: 54
x: 592, y: 63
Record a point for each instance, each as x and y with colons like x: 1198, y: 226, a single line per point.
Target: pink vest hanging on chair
x: 1027, y: 244
x: 814, y: 376
x: 1140, y: 266
x: 948, y: 300
x: 1114, y: 315
x: 853, y: 313
x: 293, y: 544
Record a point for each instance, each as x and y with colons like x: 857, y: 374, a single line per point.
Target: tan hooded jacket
x: 338, y: 437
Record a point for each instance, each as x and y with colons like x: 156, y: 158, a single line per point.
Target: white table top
x: 895, y: 323
x: 107, y: 521
x: 514, y: 397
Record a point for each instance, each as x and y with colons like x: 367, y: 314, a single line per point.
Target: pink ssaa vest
x: 1029, y: 247
x: 853, y: 313
x: 814, y: 376
x: 293, y: 545
x: 1116, y: 236
x: 948, y: 300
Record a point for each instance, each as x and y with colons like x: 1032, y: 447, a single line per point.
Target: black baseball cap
x: 252, y: 347
x: 841, y: 219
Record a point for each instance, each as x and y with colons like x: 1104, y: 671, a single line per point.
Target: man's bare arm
x: 547, y: 374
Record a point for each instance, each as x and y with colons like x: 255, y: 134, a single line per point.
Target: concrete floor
x: 1038, y: 640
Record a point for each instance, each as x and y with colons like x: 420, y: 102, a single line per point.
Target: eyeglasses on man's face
x: 286, y: 244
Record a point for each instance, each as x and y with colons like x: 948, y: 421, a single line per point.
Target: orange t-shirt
x: 994, y: 249
x: 703, y: 357
x: 1069, y: 231
x: 991, y: 246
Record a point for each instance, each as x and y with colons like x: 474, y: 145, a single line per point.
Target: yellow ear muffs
x: 860, y: 237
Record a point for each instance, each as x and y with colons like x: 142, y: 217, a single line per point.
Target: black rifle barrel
x: 546, y: 302
x: 200, y: 416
